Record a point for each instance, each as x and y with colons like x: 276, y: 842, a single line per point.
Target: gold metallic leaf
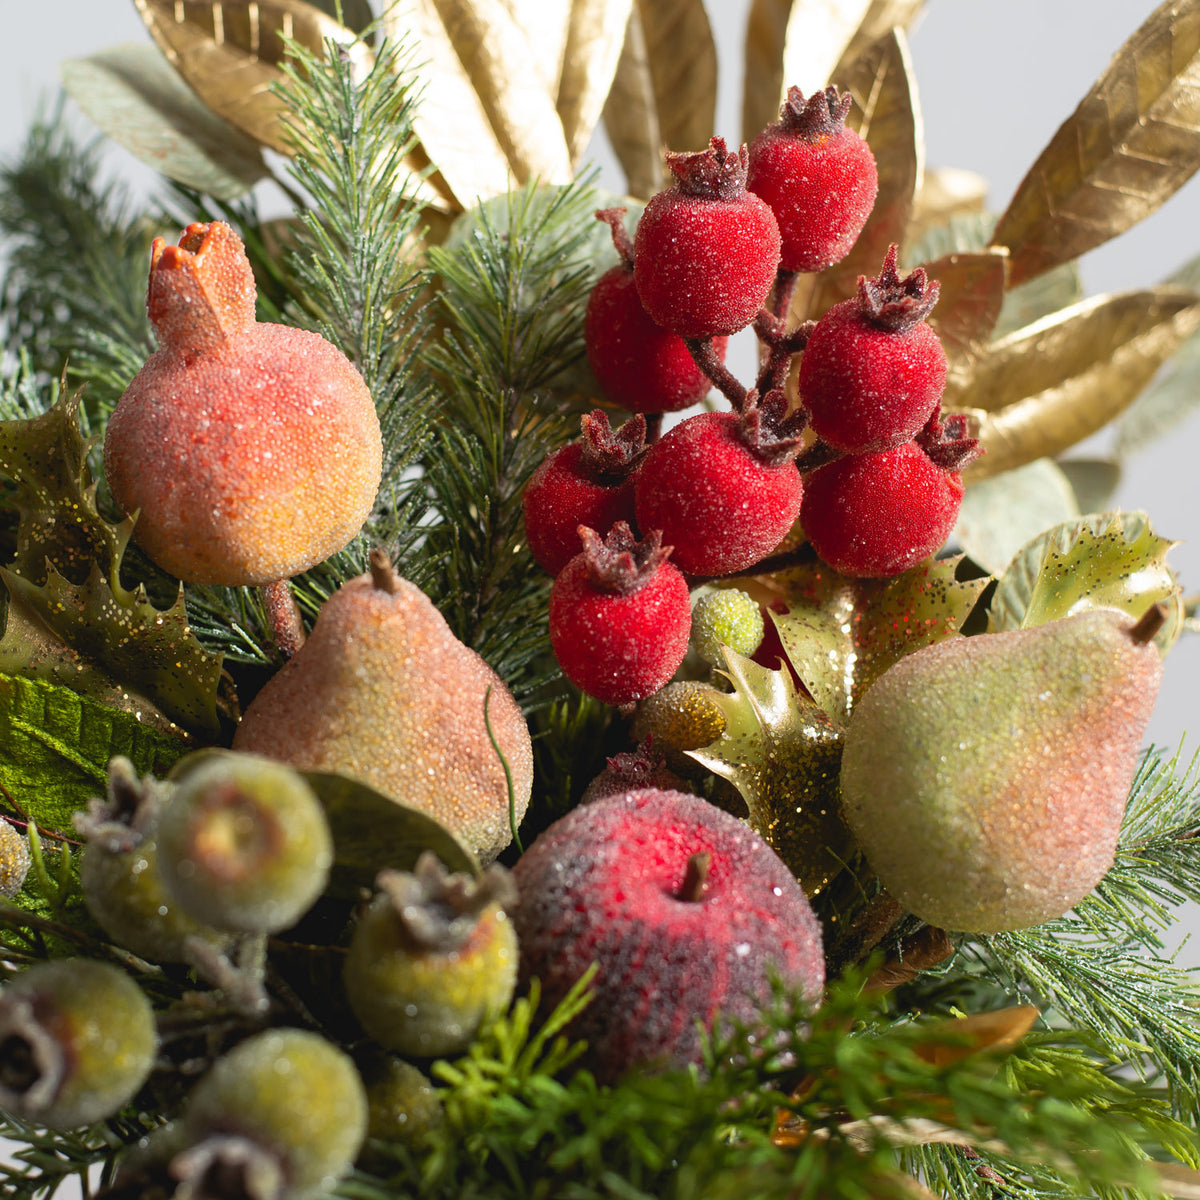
x: 881, y: 15
x: 544, y: 23
x: 482, y: 120
x: 784, y: 756
x: 961, y: 1037
x: 1045, y: 388
x: 631, y: 115
x: 969, y: 302
x: 595, y: 35
x: 683, y: 68
x: 841, y: 634
x: 1132, y: 143
x: 1102, y: 560
x: 230, y: 52
x: 1047, y: 294
x: 945, y: 193
x: 887, y: 114
x: 790, y: 44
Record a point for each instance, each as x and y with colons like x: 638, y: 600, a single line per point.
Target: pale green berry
x: 403, y: 1105
x: 726, y: 617
x: 14, y: 859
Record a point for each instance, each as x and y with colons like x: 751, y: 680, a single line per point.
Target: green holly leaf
x: 841, y: 634
x: 784, y: 756
x: 55, y: 746
x: 70, y: 619
x: 1102, y: 560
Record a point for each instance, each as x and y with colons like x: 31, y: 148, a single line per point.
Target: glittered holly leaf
x: 55, y: 746
x: 784, y: 756
x: 70, y: 620
x: 139, y: 100
x: 841, y: 634
x: 1103, y: 560
x: 370, y: 831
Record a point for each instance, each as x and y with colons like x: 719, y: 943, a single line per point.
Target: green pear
x: 384, y: 692
x: 985, y: 778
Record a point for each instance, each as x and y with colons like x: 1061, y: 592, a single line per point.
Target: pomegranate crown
x: 822, y: 115
x: 713, y: 174
x: 608, y: 455
x: 768, y: 430
x: 894, y: 303
x: 619, y: 563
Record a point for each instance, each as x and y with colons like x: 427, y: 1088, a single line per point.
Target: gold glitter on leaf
x: 841, y: 634
x: 595, y: 34
x: 1132, y: 143
x: 1103, y: 560
x: 784, y: 756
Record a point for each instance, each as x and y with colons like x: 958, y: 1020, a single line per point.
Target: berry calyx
x: 723, y: 487
x: 818, y: 177
x: 433, y: 958
x: 873, y: 371
x: 587, y: 482
x: 706, y: 250
x: 631, y: 771
x: 619, y: 616
x: 873, y: 515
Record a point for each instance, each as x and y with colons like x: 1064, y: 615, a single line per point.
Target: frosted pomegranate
x: 249, y: 451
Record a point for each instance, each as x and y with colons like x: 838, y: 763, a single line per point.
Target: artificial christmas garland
x: 875, y: 903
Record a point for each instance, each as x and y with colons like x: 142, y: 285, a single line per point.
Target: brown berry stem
x: 924, y: 949
x: 654, y: 423
x: 614, y: 218
x: 781, y: 294
x: 695, y: 879
x: 701, y: 350
x: 283, y: 617
x: 817, y: 455
x: 1148, y: 624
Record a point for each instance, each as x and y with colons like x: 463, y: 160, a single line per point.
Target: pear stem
x: 383, y: 574
x: 695, y: 879
x: 1149, y: 623
x: 283, y: 617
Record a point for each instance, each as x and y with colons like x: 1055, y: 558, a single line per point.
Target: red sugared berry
x: 873, y: 371
x: 818, y: 177
x: 686, y: 912
x: 619, y: 616
x: 706, y: 250
x: 639, y: 364
x: 588, y: 482
x: 723, y: 487
x: 871, y: 515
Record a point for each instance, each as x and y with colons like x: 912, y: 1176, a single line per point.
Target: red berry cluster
x: 718, y: 251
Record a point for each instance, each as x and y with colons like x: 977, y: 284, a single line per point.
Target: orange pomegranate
x: 249, y: 451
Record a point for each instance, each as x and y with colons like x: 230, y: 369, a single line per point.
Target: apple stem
x: 696, y: 877
x: 283, y: 617
x: 1149, y: 623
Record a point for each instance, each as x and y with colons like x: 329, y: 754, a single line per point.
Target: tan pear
x: 383, y: 691
x: 985, y: 778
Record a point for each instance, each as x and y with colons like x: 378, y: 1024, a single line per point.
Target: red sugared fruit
x: 639, y: 364
x: 873, y: 371
x: 249, y: 451
x: 818, y: 177
x: 686, y: 911
x: 588, y: 482
x: 619, y: 616
x: 723, y: 487
x: 706, y: 250
x: 873, y: 515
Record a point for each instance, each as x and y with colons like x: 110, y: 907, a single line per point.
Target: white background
x: 996, y: 79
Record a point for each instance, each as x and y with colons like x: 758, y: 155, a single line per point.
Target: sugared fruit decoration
x: 249, y: 451
x: 383, y: 691
x: 284, y: 1108
x: 586, y: 482
x: 723, y: 486
x: 402, y: 1103
x: 985, y: 777
x: 873, y: 371
x: 706, y: 251
x: 873, y: 515
x: 243, y: 844
x: 639, y: 364
x: 687, y: 913
x: 818, y: 177
x: 726, y: 617
x: 631, y: 771
x: 14, y: 859
x: 77, y: 1041
x: 119, y: 875
x: 619, y: 616
x: 682, y: 716
x: 433, y: 958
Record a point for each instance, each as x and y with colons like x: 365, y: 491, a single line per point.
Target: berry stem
x: 771, y: 331
x: 653, y: 427
x: 283, y: 617
x: 614, y: 218
x: 781, y: 294
x: 701, y: 350
x: 695, y: 879
x: 817, y: 455
x: 1149, y: 623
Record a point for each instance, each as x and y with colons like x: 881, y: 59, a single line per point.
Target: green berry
x: 284, y: 1110
x: 118, y: 871
x: 433, y: 958
x: 77, y: 1040
x: 726, y: 617
x: 14, y: 860
x: 244, y: 845
x: 402, y: 1104
x: 683, y: 716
